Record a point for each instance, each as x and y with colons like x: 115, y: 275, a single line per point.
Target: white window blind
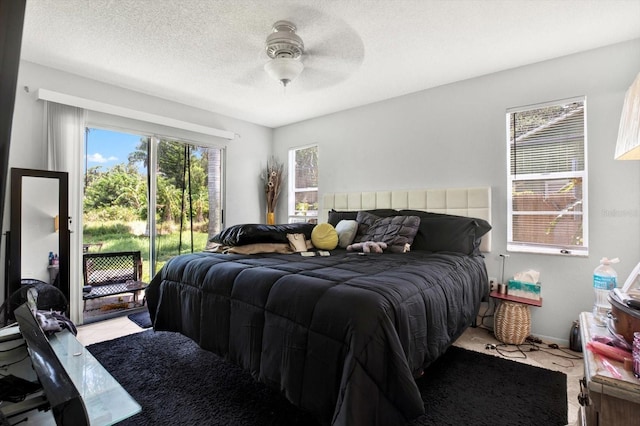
x: 303, y: 184
x: 548, y: 178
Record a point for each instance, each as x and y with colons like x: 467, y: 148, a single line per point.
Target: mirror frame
x: 14, y: 254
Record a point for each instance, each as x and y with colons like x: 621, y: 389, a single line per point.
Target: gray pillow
x: 397, y: 231
x: 346, y: 230
x: 443, y: 232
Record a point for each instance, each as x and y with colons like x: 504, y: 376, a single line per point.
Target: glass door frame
x: 153, y: 159
x: 154, y: 140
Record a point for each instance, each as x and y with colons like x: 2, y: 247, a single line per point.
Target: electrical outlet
x: 493, y: 283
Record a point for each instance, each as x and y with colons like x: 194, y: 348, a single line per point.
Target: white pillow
x: 346, y: 230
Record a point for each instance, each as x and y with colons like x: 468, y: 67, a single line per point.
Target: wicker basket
x: 512, y: 322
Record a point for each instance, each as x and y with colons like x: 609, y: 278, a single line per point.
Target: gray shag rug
x: 177, y: 383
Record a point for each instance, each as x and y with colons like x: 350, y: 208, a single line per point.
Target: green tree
x: 119, y: 186
x: 140, y: 154
x: 91, y: 175
x: 182, y: 173
x: 168, y: 202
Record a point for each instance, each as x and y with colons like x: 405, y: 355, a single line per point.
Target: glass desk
x: 106, y: 402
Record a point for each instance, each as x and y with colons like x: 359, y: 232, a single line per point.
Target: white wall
x: 454, y: 135
x: 245, y: 155
x: 449, y: 136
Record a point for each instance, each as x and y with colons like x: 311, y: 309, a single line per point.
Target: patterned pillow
x: 397, y: 231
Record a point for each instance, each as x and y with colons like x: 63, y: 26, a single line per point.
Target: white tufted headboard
x: 469, y: 202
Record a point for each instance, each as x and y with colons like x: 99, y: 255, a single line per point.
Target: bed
x: 343, y: 335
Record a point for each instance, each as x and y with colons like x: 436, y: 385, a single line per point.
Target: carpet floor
x: 177, y: 383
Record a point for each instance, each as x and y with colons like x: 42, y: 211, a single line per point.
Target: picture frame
x: 633, y: 281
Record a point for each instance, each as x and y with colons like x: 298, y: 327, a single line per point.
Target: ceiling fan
x: 285, y: 48
x: 318, y: 62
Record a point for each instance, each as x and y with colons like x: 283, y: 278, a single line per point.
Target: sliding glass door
x: 127, y: 176
x: 115, y: 203
x: 188, y: 198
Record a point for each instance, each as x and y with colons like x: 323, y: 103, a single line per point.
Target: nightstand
x: 611, y: 400
x: 512, y: 320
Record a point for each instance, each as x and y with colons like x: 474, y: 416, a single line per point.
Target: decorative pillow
x: 324, y: 237
x: 336, y: 216
x: 443, y: 232
x: 397, y: 232
x: 346, y: 230
x: 297, y: 242
x: 239, y: 235
x: 365, y: 220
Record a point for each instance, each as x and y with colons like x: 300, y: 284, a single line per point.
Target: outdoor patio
x: 111, y: 306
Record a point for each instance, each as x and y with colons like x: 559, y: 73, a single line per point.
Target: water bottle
x: 605, y: 279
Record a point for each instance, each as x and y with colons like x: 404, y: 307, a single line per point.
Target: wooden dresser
x: 610, y: 400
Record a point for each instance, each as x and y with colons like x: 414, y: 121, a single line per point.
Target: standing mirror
x: 39, y: 225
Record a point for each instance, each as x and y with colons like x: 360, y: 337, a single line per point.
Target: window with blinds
x: 303, y: 184
x: 547, y: 188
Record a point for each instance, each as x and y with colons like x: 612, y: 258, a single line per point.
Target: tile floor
x: 475, y: 339
x: 109, y: 329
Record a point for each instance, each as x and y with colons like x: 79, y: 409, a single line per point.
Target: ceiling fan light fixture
x: 284, y: 70
x: 285, y: 48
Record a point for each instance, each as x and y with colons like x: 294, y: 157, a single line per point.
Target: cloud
x: 98, y: 158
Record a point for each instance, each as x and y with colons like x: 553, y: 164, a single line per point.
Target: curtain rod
x: 61, y: 98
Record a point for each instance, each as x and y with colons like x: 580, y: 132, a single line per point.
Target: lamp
x: 628, y: 144
x: 284, y: 69
x: 285, y: 48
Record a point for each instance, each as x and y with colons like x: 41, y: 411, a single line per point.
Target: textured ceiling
x: 210, y: 53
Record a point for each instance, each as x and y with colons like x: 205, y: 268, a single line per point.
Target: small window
x: 303, y: 184
x: 547, y: 188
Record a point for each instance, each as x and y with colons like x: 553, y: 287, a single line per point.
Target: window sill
x: 548, y: 250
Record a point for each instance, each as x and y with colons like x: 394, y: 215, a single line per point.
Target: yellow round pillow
x: 324, y: 236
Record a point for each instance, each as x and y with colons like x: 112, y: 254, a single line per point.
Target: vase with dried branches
x: 273, y: 177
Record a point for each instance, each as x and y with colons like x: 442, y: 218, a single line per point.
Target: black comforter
x: 343, y: 336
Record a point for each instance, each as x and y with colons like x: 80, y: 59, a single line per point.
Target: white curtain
x: 65, y: 130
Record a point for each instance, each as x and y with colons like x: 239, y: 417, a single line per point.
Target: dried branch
x: 273, y: 177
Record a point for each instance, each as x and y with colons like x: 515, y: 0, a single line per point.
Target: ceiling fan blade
x: 255, y: 77
x: 315, y: 78
x: 345, y: 46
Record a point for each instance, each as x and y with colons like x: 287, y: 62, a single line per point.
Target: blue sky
x: 107, y: 148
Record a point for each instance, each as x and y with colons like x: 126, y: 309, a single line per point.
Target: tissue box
x: 522, y: 289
